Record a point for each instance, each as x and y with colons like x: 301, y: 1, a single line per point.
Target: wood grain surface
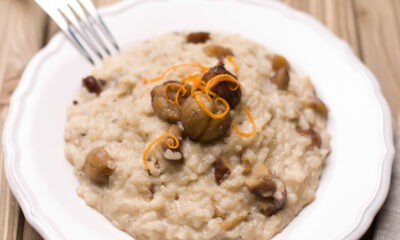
x: 371, y: 27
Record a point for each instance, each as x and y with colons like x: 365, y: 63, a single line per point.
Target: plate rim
x: 50, y: 231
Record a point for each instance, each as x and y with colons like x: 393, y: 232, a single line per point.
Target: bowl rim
x: 50, y: 230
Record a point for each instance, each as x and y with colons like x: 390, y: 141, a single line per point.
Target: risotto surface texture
x: 184, y: 201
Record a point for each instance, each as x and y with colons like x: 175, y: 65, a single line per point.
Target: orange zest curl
x: 177, y: 95
x: 208, y: 111
x: 220, y: 78
x: 196, y: 80
x: 233, y: 62
x: 203, y: 89
x: 191, y: 78
x: 181, y: 89
x: 202, y: 68
x: 252, y: 122
x: 172, y: 146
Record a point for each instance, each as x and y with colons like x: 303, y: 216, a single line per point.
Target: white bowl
x: 355, y: 179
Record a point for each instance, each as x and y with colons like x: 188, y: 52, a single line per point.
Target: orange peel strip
x: 208, y: 111
x: 183, y: 89
x: 233, y: 62
x: 220, y: 78
x: 203, y: 89
x: 174, y: 84
x: 252, y: 122
x: 190, y: 78
x: 202, y: 68
x: 168, y: 135
x: 196, y: 79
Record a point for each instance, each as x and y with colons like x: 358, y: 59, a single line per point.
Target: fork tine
x: 79, y: 12
x: 50, y: 8
x: 83, y: 31
x: 75, y: 42
x: 108, y: 33
x: 75, y: 32
x: 82, y: 26
x: 93, y: 15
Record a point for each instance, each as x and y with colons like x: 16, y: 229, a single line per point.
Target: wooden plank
x: 380, y: 41
x: 341, y: 19
x: 298, y: 4
x: 396, y: 5
x: 317, y: 8
x: 9, y: 210
x: 25, y: 35
x: 10, y: 214
x: 337, y: 15
x: 21, y: 26
x: 4, y: 39
x: 29, y: 233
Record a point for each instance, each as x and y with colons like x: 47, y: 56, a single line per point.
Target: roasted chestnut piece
x: 224, y: 89
x: 281, y: 68
x: 165, y: 108
x: 313, y: 135
x: 281, y: 78
x: 217, y: 51
x: 262, y: 186
x: 318, y: 106
x: 279, y: 197
x: 200, y: 127
x: 198, y: 37
x: 268, y: 188
x: 231, y: 223
x: 174, y: 156
x: 221, y: 170
x: 246, y: 165
x: 279, y: 62
x: 98, y: 165
x: 93, y: 85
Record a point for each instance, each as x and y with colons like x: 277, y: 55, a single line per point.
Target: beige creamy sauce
x: 184, y: 202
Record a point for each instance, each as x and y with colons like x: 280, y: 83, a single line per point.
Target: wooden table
x: 371, y: 27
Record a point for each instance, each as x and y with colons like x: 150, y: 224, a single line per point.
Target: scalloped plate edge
x: 50, y: 231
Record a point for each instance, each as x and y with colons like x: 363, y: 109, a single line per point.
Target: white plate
x: 354, y: 182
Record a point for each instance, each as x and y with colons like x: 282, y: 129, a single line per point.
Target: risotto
x: 197, y: 136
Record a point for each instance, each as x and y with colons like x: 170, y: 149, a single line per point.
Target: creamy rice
x: 180, y: 202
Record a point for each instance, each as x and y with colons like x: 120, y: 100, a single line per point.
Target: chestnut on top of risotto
x: 170, y: 166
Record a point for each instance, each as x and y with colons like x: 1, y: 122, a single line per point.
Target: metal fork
x: 82, y: 26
